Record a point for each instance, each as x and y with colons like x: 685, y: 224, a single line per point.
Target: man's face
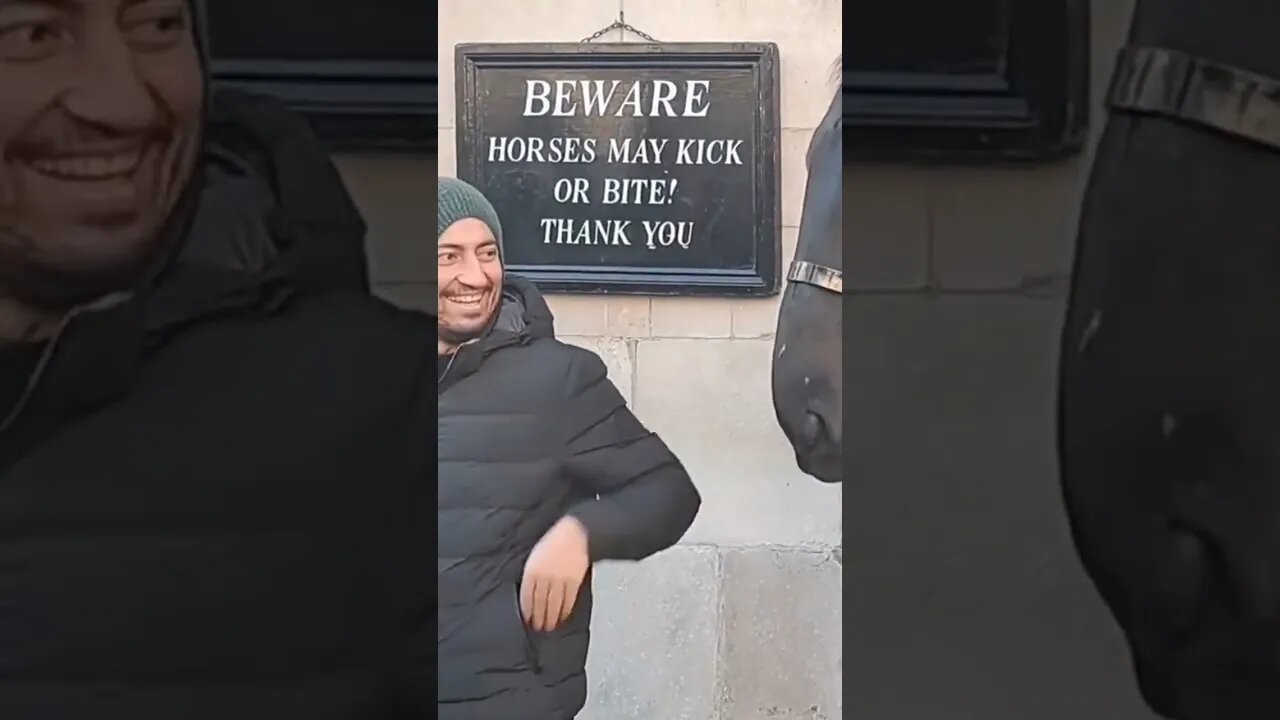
x: 99, y: 126
x: 470, y: 279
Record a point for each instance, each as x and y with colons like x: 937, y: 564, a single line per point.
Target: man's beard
x: 57, y: 290
x: 455, y: 337
x: 48, y: 287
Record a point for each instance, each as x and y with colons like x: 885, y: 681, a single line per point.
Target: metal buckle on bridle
x: 819, y: 276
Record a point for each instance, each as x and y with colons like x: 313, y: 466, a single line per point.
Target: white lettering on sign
x: 541, y: 150
x: 646, y: 180
x: 647, y: 151
x: 666, y: 233
x: 598, y: 98
x: 709, y: 152
x: 639, y: 191
x: 566, y: 231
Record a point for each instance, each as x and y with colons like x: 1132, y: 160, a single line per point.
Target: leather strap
x: 1172, y: 84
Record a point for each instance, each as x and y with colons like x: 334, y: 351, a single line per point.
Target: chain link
x: 622, y: 25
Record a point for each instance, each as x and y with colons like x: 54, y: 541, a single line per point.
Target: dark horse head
x: 1168, y: 397
x: 807, y: 362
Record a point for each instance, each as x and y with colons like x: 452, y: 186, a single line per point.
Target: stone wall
x: 742, y: 619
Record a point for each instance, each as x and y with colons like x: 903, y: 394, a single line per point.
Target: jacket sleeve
x: 640, y: 500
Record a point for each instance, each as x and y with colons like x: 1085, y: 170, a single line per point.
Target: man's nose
x: 109, y: 93
x: 473, y: 274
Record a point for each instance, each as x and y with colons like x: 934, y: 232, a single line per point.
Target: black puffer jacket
x: 213, y: 494
x: 531, y: 429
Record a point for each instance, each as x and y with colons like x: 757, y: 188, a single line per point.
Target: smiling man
x: 89, y: 173
x: 543, y: 471
x: 469, y: 269
x: 213, y: 479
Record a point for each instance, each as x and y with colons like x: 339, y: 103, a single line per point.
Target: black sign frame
x: 352, y: 105
x: 1036, y: 109
x: 764, y: 278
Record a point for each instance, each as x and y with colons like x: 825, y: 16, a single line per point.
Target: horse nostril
x: 814, y: 429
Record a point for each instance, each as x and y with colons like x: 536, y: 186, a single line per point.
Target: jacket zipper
x: 448, y: 367
x: 453, y: 358
x: 33, y: 381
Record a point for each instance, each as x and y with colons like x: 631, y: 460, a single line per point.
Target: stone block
x: 970, y: 602
x: 794, y: 174
x: 617, y: 356
x: 654, y: 638
x: 887, y: 225
x: 579, y: 314
x: 394, y: 195
x: 756, y: 318
x: 783, y: 640
x: 525, y: 21
x: 1005, y: 227
x: 710, y: 400
x: 790, y: 241
x: 691, y: 318
x: 617, y: 316
x: 627, y: 316
x: 809, y: 35
x: 447, y: 159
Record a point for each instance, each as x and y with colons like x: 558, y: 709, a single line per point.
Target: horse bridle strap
x: 1179, y: 86
x: 819, y: 276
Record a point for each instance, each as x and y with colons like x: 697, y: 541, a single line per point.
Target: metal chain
x: 622, y: 24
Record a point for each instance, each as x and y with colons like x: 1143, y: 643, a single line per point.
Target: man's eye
x: 31, y: 41
x: 157, y: 29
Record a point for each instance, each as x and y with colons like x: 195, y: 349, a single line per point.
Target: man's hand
x: 553, y: 575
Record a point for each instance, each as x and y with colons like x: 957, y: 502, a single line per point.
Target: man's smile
x: 88, y: 167
x: 469, y: 300
x: 99, y: 182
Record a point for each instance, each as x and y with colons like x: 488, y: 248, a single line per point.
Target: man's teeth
x: 88, y: 168
x: 467, y: 299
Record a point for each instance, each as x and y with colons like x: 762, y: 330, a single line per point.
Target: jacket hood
x: 524, y: 311
x: 265, y: 212
x: 270, y: 217
x: 523, y: 317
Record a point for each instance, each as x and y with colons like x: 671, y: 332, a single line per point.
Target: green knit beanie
x: 459, y: 200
